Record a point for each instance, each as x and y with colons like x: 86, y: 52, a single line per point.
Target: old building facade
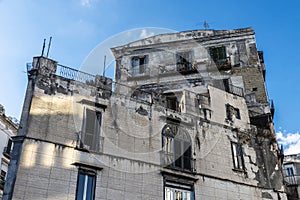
x: 187, y: 117
x: 291, y: 165
x: 8, y: 129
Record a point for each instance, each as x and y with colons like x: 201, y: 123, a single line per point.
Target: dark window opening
x: 289, y: 171
x: 218, y: 55
x: 237, y: 113
x: 92, y: 126
x: 237, y: 156
x: 177, y: 149
x: 254, y: 89
x: 86, y: 184
x: 184, y: 62
x: 139, y: 64
x: 232, y: 112
x: 8, y: 148
x: 172, y: 101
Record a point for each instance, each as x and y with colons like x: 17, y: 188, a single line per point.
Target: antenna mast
x: 104, y: 65
x: 49, y: 47
x: 205, y: 25
x: 43, y: 47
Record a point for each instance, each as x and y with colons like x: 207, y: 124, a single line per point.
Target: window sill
x: 189, y: 171
x: 238, y: 170
x: 174, y: 172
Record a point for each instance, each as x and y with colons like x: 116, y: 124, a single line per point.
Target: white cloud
x: 290, y: 142
x: 86, y: 3
x: 145, y: 34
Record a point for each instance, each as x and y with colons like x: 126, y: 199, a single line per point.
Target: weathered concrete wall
x: 47, y: 171
x: 131, y: 147
x: 254, y: 82
x: 219, y: 99
x: 129, y: 161
x: 161, y: 67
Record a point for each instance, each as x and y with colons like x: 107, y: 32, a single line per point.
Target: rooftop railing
x: 74, y: 74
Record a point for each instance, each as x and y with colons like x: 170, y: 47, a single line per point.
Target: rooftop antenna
x: 104, y: 65
x: 205, y: 25
x: 43, y: 47
x: 48, y: 47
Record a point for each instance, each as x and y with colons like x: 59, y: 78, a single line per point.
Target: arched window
x: 176, y: 146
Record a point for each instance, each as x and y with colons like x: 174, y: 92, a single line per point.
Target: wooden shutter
x: 92, y: 129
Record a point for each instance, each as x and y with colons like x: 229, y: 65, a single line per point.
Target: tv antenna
x: 205, y: 24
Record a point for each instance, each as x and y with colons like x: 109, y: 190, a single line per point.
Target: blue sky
x: 78, y: 26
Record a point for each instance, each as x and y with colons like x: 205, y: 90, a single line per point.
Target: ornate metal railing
x: 235, y: 90
x: 74, y: 74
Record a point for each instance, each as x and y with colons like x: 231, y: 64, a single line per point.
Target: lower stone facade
x: 50, y: 171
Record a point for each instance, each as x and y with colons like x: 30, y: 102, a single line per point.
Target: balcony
x: 292, y: 180
x: 2, y: 180
x: 7, y: 152
x: 179, y: 68
x: 139, y: 73
x: 234, y: 90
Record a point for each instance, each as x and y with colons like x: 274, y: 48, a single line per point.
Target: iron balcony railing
x: 235, y: 90
x: 292, y: 180
x: 2, y: 181
x: 140, y: 71
x: 74, y: 74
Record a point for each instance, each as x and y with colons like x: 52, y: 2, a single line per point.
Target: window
x: 177, y: 194
x: 177, y: 149
x: 172, y: 101
x: 289, y: 171
x: 219, y: 57
x: 232, y: 112
x: 184, y: 61
x: 139, y: 64
x: 91, y: 129
x: 218, y: 54
x: 254, y: 89
x: 86, y: 184
x: 182, y: 189
x: 7, y: 149
x: 237, y: 156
